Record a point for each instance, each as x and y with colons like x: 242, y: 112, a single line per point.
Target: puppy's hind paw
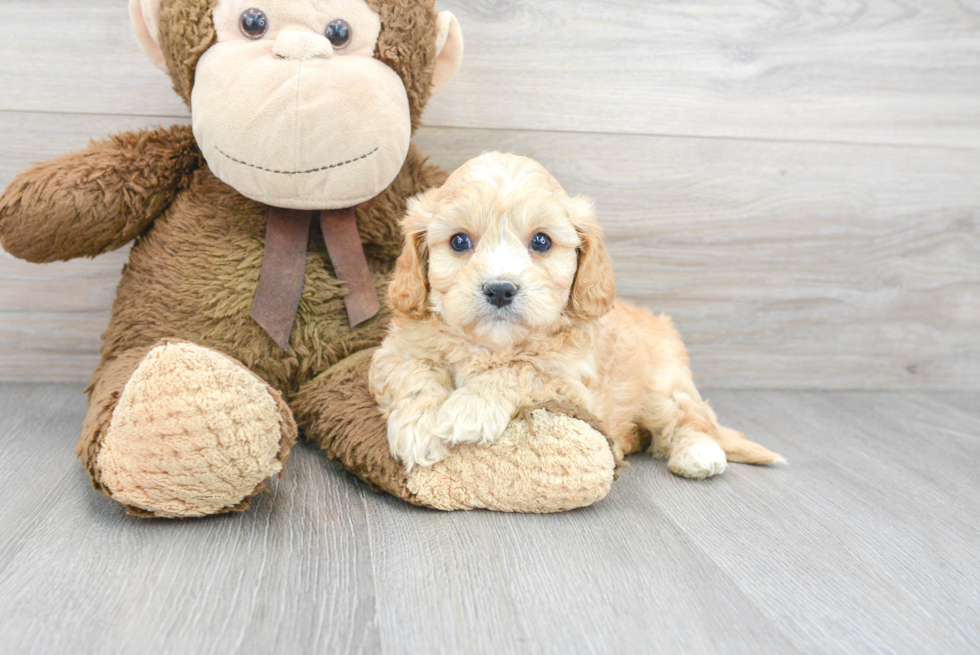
x: 698, y: 460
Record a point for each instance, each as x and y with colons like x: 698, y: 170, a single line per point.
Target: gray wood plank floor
x: 867, y: 542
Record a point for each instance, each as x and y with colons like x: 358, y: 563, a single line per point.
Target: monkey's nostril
x: 500, y: 294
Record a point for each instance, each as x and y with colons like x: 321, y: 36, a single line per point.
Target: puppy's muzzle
x: 500, y: 294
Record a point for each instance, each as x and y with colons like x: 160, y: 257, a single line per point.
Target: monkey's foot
x: 194, y: 433
x: 544, y: 462
x: 549, y: 459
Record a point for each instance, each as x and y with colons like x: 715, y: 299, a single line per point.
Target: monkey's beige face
x: 302, y: 104
x: 502, y: 248
x: 291, y: 108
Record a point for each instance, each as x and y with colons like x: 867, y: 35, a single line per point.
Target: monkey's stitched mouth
x: 312, y: 170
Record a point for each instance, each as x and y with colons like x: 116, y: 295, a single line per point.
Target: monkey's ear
x: 449, y: 51
x: 145, y: 15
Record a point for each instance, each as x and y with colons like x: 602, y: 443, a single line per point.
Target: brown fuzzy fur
x: 407, y: 45
x: 339, y: 414
x: 193, y: 277
x: 90, y: 202
x: 186, y: 33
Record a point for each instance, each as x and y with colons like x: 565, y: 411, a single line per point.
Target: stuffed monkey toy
x: 264, y: 235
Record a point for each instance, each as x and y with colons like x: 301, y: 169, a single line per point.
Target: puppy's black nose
x: 500, y: 294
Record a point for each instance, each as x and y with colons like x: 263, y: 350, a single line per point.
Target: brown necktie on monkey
x: 280, y: 287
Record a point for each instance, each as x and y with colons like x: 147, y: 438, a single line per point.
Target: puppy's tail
x: 739, y: 449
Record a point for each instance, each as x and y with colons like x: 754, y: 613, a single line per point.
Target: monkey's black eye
x: 254, y: 24
x: 339, y: 34
x: 460, y: 243
x: 540, y: 242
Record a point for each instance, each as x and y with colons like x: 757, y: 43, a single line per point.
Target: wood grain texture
x: 51, y: 316
x: 878, y: 485
x: 867, y: 542
x: 870, y: 71
x: 291, y: 575
x: 35, y: 427
x: 785, y: 265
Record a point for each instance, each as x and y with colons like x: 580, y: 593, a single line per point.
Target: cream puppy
x: 504, y: 298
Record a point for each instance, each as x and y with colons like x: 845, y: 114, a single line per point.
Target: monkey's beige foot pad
x: 548, y: 462
x: 550, y: 459
x: 194, y: 433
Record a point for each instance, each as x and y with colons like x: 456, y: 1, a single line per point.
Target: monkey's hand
x: 98, y: 199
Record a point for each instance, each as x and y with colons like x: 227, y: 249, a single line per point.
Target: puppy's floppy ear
x: 594, y: 289
x: 408, y: 293
x: 409, y: 289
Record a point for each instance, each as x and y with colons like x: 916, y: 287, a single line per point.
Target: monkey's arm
x: 98, y: 199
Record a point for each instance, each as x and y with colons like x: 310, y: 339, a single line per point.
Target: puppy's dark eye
x: 460, y: 243
x: 339, y: 34
x: 540, y: 242
x: 254, y: 24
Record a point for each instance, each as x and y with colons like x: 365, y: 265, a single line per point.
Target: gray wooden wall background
x: 797, y: 183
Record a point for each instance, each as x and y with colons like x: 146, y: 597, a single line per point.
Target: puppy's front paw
x: 700, y: 459
x: 467, y: 417
x: 413, y: 439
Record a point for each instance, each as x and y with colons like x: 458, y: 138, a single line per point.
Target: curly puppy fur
x: 459, y: 361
